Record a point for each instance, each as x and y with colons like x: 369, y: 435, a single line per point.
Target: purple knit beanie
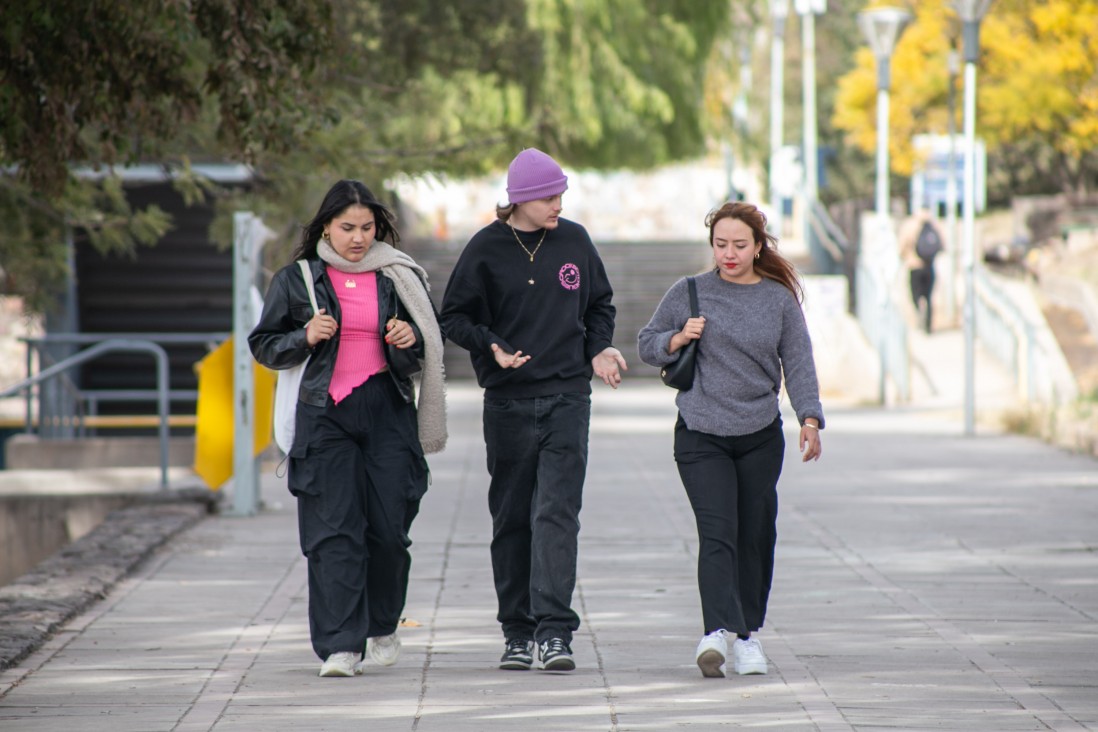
x: 533, y: 175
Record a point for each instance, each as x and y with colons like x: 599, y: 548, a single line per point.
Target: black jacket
x: 278, y: 340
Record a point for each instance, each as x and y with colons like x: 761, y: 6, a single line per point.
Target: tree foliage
x: 91, y: 83
x: 1037, y: 92
x: 308, y: 91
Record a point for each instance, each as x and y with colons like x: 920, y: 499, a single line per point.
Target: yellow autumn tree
x: 1037, y: 88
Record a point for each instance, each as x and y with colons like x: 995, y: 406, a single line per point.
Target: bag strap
x: 693, y: 296
x: 307, y: 275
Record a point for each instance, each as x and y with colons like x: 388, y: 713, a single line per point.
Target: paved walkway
x: 924, y: 581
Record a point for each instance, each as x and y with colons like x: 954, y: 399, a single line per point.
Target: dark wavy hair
x: 770, y: 264
x: 340, y: 197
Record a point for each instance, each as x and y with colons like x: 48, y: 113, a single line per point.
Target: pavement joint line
x: 606, y: 685
x: 1006, y: 678
x: 1022, y: 580
x: 57, y: 642
x: 447, y: 548
x: 806, y: 688
x: 225, y: 680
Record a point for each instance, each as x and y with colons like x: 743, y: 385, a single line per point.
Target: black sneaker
x: 556, y: 655
x: 518, y: 655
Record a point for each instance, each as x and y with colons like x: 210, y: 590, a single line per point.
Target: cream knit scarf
x: 410, y: 281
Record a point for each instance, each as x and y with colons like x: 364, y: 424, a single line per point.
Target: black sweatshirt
x: 562, y: 320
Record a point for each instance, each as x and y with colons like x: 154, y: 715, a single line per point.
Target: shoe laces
x: 555, y: 645
x: 342, y: 658
x: 750, y: 645
x: 517, y: 645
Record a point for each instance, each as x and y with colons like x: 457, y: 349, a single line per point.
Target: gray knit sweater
x: 752, y: 333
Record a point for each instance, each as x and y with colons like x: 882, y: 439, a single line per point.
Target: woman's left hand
x: 399, y: 334
x: 811, y: 449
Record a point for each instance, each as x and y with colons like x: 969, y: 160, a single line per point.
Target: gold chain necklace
x: 528, y: 252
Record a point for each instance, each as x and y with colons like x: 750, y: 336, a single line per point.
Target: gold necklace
x: 528, y: 252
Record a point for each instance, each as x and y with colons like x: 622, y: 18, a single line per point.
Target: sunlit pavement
x: 924, y: 580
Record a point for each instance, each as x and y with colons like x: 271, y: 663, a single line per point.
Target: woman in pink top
x: 357, y: 465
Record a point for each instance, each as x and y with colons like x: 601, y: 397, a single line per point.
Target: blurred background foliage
x: 1037, y: 93
x: 309, y: 91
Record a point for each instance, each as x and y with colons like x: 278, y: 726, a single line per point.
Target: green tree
x: 307, y: 91
x: 95, y: 83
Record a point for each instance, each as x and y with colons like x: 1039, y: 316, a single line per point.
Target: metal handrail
x: 831, y: 237
x: 98, y: 349
x: 93, y: 397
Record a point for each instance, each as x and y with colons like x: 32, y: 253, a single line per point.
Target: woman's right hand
x: 692, y: 331
x: 320, y: 327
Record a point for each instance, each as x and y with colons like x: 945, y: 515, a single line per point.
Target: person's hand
x: 400, y: 334
x: 692, y: 331
x: 608, y: 366
x: 811, y: 449
x: 320, y: 327
x: 508, y: 360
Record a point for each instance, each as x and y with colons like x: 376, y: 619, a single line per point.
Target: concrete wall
x: 34, y: 526
x: 28, y: 452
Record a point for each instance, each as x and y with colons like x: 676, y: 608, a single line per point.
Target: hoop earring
x: 757, y: 254
x: 328, y: 239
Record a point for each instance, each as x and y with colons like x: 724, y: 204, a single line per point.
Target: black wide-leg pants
x: 358, y: 472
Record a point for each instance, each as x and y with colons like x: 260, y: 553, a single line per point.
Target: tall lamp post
x: 779, y: 10
x: 882, y: 28
x: 971, y: 13
x: 953, y: 65
x: 808, y: 10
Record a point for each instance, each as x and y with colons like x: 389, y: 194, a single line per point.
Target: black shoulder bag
x: 680, y: 374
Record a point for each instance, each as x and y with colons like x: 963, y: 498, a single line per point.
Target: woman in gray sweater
x: 729, y: 444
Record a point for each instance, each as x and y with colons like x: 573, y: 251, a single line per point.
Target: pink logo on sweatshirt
x: 569, y: 277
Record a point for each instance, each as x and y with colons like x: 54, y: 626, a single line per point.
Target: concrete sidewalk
x: 924, y: 581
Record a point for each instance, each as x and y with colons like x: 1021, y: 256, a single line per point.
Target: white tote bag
x: 289, y: 382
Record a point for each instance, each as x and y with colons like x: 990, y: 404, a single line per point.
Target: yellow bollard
x: 213, y: 448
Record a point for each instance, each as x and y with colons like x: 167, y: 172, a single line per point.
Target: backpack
x: 929, y: 243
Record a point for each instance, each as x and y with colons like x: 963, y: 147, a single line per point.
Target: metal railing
x: 57, y: 419
x: 828, y: 234
x: 1022, y: 343
x: 884, y: 327
x: 95, y: 351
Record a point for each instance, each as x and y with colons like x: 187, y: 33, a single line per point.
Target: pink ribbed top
x: 361, y: 353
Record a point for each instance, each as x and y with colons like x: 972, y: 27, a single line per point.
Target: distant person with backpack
x: 920, y: 243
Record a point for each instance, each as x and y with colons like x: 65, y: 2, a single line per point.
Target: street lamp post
x: 808, y: 10
x: 779, y: 10
x: 971, y: 13
x: 953, y: 63
x: 882, y: 28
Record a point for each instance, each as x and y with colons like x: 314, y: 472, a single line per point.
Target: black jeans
x: 537, y: 457
x: 732, y: 485
x: 358, y: 476
x: 922, y: 286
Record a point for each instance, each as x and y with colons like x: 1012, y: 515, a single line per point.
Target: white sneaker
x: 344, y: 663
x: 384, y: 649
x: 711, y: 653
x: 748, y: 657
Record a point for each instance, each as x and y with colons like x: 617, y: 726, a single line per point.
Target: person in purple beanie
x: 530, y: 300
